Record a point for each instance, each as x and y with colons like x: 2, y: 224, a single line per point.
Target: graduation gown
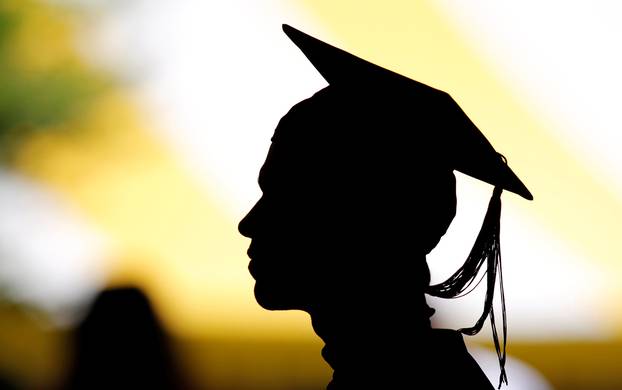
x: 443, y: 362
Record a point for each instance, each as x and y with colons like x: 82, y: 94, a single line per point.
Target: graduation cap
x: 459, y: 142
x: 463, y: 143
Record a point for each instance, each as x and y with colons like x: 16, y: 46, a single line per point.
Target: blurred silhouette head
x: 120, y: 345
x: 358, y: 184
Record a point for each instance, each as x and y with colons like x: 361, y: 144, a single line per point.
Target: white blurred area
x: 215, y: 78
x: 50, y: 258
x: 563, y: 59
x: 521, y: 376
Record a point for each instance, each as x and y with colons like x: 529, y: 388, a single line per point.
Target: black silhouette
x: 120, y: 345
x: 7, y: 384
x: 358, y: 187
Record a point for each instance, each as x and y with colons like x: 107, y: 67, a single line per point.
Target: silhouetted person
x: 358, y: 187
x: 120, y: 345
x: 7, y: 384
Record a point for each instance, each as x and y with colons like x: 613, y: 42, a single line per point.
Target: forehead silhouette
x: 345, y: 132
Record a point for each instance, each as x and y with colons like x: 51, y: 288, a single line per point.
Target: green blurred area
x: 43, y: 83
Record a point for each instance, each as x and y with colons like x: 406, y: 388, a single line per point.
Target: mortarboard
x: 469, y: 150
x: 462, y: 144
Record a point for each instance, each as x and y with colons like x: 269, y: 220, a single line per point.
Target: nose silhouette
x: 245, y: 227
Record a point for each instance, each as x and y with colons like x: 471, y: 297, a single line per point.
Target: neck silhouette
x: 372, y: 333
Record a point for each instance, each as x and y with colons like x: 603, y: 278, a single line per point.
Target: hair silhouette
x: 358, y: 187
x: 120, y: 345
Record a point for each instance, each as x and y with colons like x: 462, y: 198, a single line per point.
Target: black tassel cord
x: 486, y: 249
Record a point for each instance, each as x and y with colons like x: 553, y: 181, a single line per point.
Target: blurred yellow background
x: 131, y: 135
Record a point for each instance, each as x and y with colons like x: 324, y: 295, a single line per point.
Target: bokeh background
x: 132, y: 132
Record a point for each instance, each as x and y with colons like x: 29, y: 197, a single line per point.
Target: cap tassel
x: 486, y: 249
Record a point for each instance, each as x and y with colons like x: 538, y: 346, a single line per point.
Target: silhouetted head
x: 120, y: 344
x: 349, y: 202
x: 358, y: 184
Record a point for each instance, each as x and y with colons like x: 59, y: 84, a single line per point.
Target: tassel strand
x: 486, y: 249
